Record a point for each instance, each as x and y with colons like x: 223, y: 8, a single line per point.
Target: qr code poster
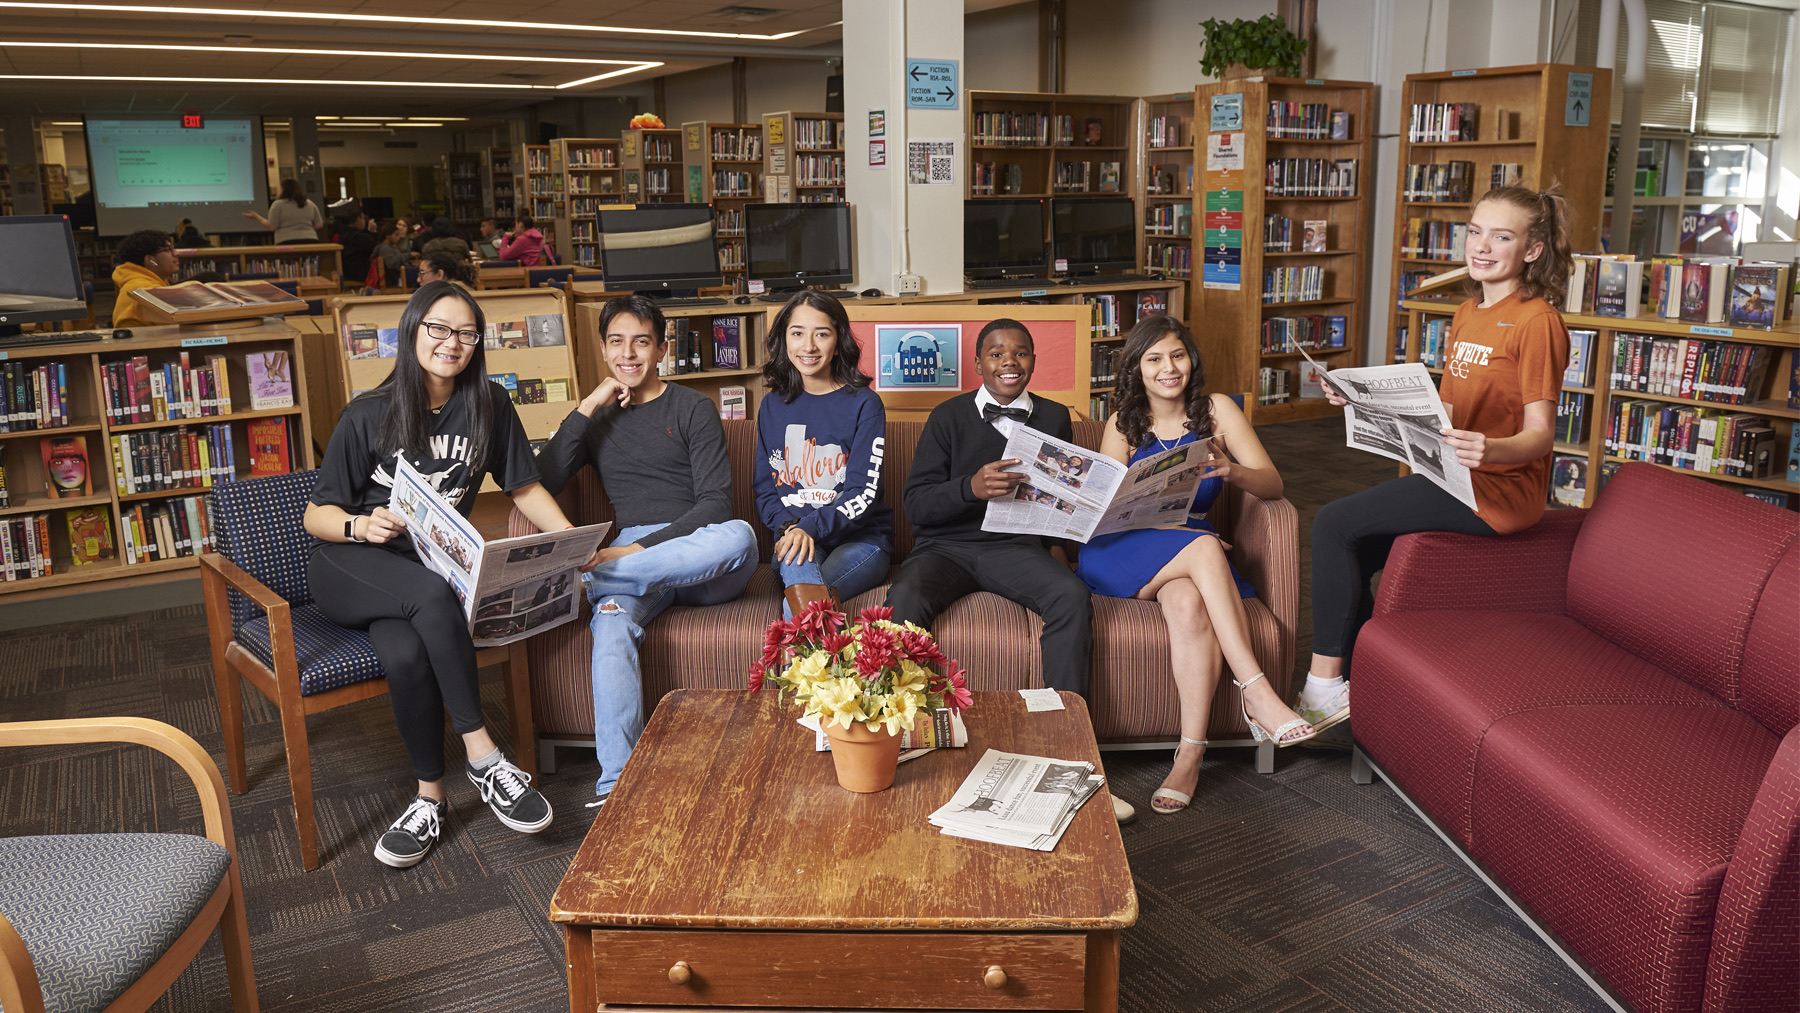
x: 915, y: 357
x: 931, y: 163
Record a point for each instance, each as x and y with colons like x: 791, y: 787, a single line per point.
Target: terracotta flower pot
x: 865, y: 760
x: 1237, y: 71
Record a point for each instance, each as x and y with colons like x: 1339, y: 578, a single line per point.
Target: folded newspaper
x: 510, y: 588
x: 1075, y: 493
x: 1017, y: 800
x: 1395, y: 411
x: 942, y: 728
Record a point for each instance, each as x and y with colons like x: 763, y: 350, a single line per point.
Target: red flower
x: 957, y: 696
x: 817, y: 619
x: 875, y: 652
x: 874, y: 613
x: 756, y: 678
x: 921, y: 648
x: 835, y: 642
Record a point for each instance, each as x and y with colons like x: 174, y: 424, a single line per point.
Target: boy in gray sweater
x: 660, y: 451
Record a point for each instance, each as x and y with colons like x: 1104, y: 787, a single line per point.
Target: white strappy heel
x: 1261, y: 734
x: 1169, y: 794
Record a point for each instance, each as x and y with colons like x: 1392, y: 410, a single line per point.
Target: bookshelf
x: 90, y: 371
x: 1278, y: 293
x: 497, y: 182
x: 1039, y: 144
x: 591, y: 174
x: 1766, y: 402
x: 1519, y: 120
x: 1162, y: 179
x: 726, y: 160
x: 804, y: 157
x: 463, y: 172
x: 651, y: 160
x: 317, y: 266
x: 542, y: 192
x: 701, y: 323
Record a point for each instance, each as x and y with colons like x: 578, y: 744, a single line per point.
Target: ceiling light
x: 414, y: 124
x: 382, y: 118
x: 67, y: 123
x: 446, y: 119
x: 403, y: 19
x: 269, y: 80
x: 324, y: 117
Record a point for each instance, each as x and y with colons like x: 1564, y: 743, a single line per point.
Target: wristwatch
x: 350, y: 529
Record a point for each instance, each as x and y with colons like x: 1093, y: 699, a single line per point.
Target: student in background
x: 146, y: 260
x: 1162, y: 403
x: 359, y: 248
x: 443, y: 238
x: 820, y: 434
x: 488, y: 246
x: 393, y: 258
x: 187, y: 237
x: 292, y: 217
x: 446, y: 267
x: 523, y: 243
x: 1508, y: 350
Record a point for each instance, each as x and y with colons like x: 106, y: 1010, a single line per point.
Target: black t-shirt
x: 352, y: 476
x: 359, y: 245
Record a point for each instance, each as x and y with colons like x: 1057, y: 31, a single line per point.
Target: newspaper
x: 1018, y: 800
x: 1075, y: 493
x: 942, y: 728
x: 509, y: 588
x: 1395, y: 411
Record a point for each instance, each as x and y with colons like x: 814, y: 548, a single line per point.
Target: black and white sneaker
x: 507, y: 790
x: 409, y: 840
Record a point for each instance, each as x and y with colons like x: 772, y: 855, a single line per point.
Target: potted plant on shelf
x: 864, y: 684
x: 1239, y: 48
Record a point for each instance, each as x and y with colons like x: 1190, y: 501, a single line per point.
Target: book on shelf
x: 1340, y: 125
x: 271, y: 379
x: 1432, y: 122
x: 1151, y: 303
x: 1700, y: 369
x: 1568, y: 480
x: 361, y: 342
x: 90, y: 534
x: 1703, y: 290
x: 182, y: 457
x: 557, y: 388
x: 1616, y: 293
x: 509, y: 381
x: 1272, y: 385
x: 1505, y: 174
x: 544, y: 330
x: 727, y: 348
x: 1312, y: 382
x: 1793, y: 458
x: 197, y: 296
x: 1692, y: 437
x: 1313, y: 236
x: 1770, y: 496
x: 25, y: 548
x: 1756, y: 294
x: 733, y: 403
x: 167, y: 529
x: 271, y: 452
x: 1092, y: 135
x: 34, y: 397
x: 387, y: 342
x: 66, y: 470
x: 1572, y: 415
x: 1109, y: 177
x: 5, y: 494
x: 1580, y: 371
x: 531, y: 390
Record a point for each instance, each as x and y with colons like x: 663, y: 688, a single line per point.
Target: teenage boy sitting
x: 660, y: 451
x: 146, y: 260
x: 956, y: 469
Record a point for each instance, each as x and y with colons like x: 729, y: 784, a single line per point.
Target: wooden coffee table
x: 729, y: 869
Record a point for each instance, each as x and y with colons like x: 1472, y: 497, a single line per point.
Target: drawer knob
x: 995, y: 977
x: 680, y: 973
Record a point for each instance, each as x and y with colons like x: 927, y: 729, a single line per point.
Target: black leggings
x: 419, y: 633
x: 1351, y: 540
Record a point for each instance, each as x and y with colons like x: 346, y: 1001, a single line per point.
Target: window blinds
x: 1741, y: 70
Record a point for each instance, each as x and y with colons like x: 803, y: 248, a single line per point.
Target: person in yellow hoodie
x: 146, y: 260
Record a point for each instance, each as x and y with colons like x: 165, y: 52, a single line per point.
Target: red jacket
x: 527, y: 249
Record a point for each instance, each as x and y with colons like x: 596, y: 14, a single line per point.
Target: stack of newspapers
x: 1017, y: 800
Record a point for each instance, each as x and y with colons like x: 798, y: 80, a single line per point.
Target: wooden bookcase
x: 497, y: 182
x: 1040, y: 132
x: 591, y: 171
x: 1238, y: 194
x: 84, y: 364
x: 651, y: 160
x: 319, y: 267
x: 1531, y: 134
x: 463, y: 175
x: 1162, y: 179
x: 709, y: 380
x: 542, y: 194
x: 1769, y: 402
x: 725, y: 166
x: 804, y: 158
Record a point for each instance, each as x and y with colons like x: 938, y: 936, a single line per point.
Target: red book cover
x: 1696, y: 282
x: 268, y: 447
x: 66, y: 471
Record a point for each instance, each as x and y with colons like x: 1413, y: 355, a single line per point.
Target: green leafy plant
x: 1263, y: 44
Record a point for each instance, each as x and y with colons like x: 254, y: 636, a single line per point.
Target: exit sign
x: 193, y: 121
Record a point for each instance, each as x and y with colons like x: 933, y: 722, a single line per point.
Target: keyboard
x: 1004, y: 282
x: 1110, y: 279
x: 51, y: 338
x: 693, y: 302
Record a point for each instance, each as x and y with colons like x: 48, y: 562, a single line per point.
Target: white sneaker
x: 1122, y: 811
x: 1324, y: 709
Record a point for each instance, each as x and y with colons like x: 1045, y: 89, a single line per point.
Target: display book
x: 209, y: 298
x: 509, y: 588
x: 536, y: 330
x: 187, y: 387
x: 34, y: 396
x: 1698, y: 290
x: 686, y: 339
x: 1075, y: 493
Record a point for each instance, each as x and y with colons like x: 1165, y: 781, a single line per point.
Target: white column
x: 902, y: 229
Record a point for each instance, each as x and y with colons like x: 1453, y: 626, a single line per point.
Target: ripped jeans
x: 708, y: 567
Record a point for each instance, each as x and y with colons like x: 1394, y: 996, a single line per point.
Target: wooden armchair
x: 109, y: 921
x: 266, y: 630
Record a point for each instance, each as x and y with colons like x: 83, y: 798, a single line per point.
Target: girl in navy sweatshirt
x: 820, y: 432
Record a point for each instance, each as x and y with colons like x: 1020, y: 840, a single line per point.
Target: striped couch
x: 1132, y: 695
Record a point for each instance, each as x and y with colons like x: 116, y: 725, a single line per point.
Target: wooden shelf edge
x: 1775, y: 484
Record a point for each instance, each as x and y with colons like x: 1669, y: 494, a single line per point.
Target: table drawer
x: 849, y: 970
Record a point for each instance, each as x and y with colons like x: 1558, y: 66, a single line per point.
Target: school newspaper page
x: 1075, y: 493
x: 1395, y: 411
x: 509, y: 588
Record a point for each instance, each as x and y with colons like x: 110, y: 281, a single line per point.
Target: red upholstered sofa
x: 1600, y: 713
x: 1132, y: 695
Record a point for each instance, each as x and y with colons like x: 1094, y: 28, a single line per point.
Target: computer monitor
x: 40, y: 277
x: 659, y: 248
x: 1004, y: 238
x: 1094, y: 234
x: 788, y: 247
x: 378, y: 207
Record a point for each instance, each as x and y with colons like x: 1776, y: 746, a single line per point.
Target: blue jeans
x: 708, y: 567
x: 851, y: 568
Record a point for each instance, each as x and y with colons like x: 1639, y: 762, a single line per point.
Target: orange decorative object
x: 646, y: 121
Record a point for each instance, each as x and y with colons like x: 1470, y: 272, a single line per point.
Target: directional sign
x: 1580, y: 100
x: 931, y: 84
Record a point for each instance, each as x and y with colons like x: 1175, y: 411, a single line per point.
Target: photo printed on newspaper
x: 1075, y: 493
x: 1395, y: 411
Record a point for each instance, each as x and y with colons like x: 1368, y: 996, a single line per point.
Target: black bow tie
x: 990, y: 412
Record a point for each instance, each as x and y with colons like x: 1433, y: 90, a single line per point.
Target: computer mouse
x: 742, y: 300
x: 121, y: 333
x: 871, y: 293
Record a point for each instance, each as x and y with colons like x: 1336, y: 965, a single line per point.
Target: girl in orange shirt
x: 1508, y: 349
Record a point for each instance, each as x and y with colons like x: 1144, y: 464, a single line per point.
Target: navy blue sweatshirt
x: 818, y: 463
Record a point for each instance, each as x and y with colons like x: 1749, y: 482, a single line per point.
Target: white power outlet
x: 906, y: 284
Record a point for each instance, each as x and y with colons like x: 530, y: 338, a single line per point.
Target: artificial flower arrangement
x: 646, y: 121
x: 877, y: 672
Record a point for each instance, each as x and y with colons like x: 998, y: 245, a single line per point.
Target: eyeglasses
x: 438, y: 332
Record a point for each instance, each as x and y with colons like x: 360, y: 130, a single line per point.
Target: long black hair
x: 778, y: 371
x: 1131, y: 402
x: 408, y: 422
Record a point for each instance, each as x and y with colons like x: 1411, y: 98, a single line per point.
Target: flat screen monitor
x: 40, y: 278
x: 659, y: 248
x: 379, y: 208
x: 1004, y: 239
x: 1094, y: 233
x: 795, y: 246
x: 150, y: 172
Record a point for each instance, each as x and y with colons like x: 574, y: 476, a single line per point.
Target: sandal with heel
x: 1177, y: 801
x: 1261, y: 734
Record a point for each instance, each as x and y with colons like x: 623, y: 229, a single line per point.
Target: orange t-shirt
x: 1502, y: 358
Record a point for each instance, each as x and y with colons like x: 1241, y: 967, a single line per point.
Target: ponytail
x: 1547, y: 213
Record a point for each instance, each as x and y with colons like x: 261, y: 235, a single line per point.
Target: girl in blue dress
x: 1161, y: 403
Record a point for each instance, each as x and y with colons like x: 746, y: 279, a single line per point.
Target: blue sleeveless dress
x: 1120, y: 564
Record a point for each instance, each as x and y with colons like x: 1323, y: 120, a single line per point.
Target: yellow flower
x: 900, y: 709
x: 912, y: 676
x: 836, y: 701
x: 809, y: 669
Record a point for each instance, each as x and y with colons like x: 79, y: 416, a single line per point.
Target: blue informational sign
x: 1227, y: 112
x: 931, y: 84
x: 1580, y: 100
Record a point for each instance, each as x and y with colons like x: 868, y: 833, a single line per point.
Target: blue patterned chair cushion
x: 329, y: 656
x: 257, y: 523
x: 97, y: 910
